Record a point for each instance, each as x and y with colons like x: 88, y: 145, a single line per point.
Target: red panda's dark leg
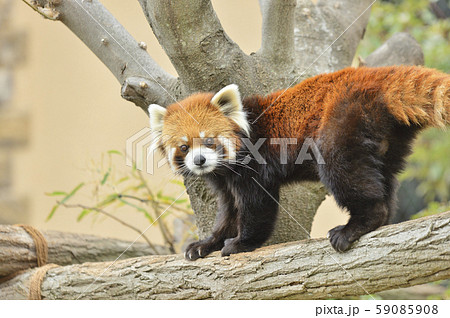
x: 362, y: 177
x: 365, y: 217
x: 225, y: 227
x: 362, y: 221
x: 258, y: 208
x: 353, y: 172
x: 399, y: 147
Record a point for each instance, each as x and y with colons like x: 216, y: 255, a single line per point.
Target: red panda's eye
x: 209, y: 142
x: 184, y: 148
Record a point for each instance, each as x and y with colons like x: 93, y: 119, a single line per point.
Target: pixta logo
x: 139, y: 152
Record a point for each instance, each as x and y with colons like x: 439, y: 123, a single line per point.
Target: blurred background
x: 64, y: 125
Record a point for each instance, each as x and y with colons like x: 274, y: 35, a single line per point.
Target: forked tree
x: 300, y: 39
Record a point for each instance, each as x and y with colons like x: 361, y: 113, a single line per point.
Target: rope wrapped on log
x: 41, y: 247
x: 41, y: 250
x: 40, y: 243
x: 23, y: 247
x: 36, y: 281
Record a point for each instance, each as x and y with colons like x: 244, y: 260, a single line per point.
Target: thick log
x: 18, y: 251
x: 400, y: 255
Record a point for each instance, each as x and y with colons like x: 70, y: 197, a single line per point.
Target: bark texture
x: 400, y: 255
x: 18, y: 251
x: 401, y: 48
x: 278, y: 31
x: 327, y: 33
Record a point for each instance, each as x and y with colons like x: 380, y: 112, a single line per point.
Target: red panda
x: 361, y: 121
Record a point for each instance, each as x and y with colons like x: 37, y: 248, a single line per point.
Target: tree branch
x: 117, y: 49
x: 278, y: 31
x: 18, y: 251
x: 319, y: 24
x: 415, y: 252
x: 205, y: 58
x: 401, y: 48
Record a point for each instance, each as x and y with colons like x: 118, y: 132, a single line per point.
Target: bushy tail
x: 418, y: 95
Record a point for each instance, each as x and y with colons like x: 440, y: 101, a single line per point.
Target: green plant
x: 430, y: 164
x: 414, y: 17
x: 111, y: 191
x: 432, y: 208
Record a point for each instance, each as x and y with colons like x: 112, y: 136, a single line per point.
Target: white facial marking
x: 231, y: 151
x: 229, y: 145
x: 202, y: 134
x: 170, y: 157
x: 157, y: 114
x: 185, y: 139
x: 210, y: 156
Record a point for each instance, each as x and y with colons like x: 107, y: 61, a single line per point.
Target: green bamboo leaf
x: 56, y: 193
x: 72, y: 193
x: 122, y: 180
x: 115, y: 152
x: 133, y: 205
x: 109, y: 199
x: 177, y: 182
x: 169, y: 199
x: 67, y: 197
x: 105, y: 177
x: 83, y: 214
x: 147, y: 215
x: 52, y: 212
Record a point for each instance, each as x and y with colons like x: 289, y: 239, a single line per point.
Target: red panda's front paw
x: 234, y: 246
x: 194, y: 251
x: 340, y: 238
x: 200, y: 249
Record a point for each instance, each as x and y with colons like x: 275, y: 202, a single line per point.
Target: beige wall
x: 77, y: 113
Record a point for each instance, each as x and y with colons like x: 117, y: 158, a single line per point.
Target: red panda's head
x: 202, y: 132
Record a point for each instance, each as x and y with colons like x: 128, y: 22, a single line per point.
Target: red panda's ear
x: 228, y: 100
x: 157, y: 114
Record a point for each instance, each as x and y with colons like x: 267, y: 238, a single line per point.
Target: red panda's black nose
x: 199, y: 160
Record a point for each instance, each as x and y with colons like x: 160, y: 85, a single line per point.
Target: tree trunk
x: 18, y: 250
x: 401, y: 255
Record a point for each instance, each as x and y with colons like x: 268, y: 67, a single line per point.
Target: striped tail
x: 418, y: 95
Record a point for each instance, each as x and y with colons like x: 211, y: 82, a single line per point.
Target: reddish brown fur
x: 408, y: 91
x: 413, y: 95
